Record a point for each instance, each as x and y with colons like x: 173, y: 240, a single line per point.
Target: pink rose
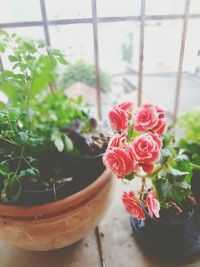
x: 132, y: 205
x: 160, y: 111
x: 148, y: 168
x: 145, y: 118
x: 118, y: 161
x: 153, y: 204
x: 126, y: 106
x: 161, y: 127
x: 136, y: 166
x: 118, y: 119
x: 146, y: 148
x: 118, y: 140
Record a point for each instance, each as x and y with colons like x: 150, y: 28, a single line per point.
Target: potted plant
x: 164, y: 215
x: 190, y: 144
x: 53, y: 185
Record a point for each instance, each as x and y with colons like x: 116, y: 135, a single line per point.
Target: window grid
x: 95, y: 20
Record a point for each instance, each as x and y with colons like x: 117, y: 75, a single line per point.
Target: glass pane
x: 161, y: 56
x: 119, y: 46
x: 68, y: 9
x: 190, y: 94
x: 169, y: 7
x: 78, y: 77
x: 75, y: 40
x: 113, y: 8
x: 20, y: 10
x: 195, y: 7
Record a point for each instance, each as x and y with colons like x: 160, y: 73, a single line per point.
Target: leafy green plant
x: 80, y: 71
x: 190, y: 143
x: 33, y: 122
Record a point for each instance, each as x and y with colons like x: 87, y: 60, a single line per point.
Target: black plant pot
x: 85, y: 171
x: 178, y: 239
x: 195, y: 185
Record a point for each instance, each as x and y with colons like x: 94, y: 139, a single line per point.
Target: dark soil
x: 75, y: 172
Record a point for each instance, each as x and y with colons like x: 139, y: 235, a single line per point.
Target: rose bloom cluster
x: 126, y: 157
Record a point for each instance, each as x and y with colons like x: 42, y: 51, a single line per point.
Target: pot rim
x: 157, y: 220
x: 54, y: 208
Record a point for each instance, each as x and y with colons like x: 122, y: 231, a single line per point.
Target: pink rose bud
x: 146, y: 148
x: 126, y: 106
x: 161, y: 127
x: 153, y: 204
x: 118, y: 119
x: 132, y: 206
x: 118, y: 161
x: 148, y: 168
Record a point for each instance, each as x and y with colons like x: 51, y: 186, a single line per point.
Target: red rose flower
x: 118, y: 161
x: 145, y: 118
x: 161, y: 127
x: 153, y: 204
x: 146, y: 148
x: 118, y: 140
x: 160, y: 111
x: 118, y: 119
x: 132, y: 205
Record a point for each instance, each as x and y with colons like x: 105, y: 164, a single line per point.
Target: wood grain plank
x: 119, y: 247
x: 83, y: 253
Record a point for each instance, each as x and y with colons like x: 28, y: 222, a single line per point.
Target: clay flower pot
x: 57, y: 224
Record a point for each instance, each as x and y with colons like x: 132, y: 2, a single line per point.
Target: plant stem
x: 143, y: 186
x: 197, y: 167
x: 20, y: 160
x: 9, y: 141
x: 27, y: 104
x: 28, y: 163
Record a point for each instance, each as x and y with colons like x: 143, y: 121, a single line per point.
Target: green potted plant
x: 164, y: 214
x: 52, y: 179
x: 189, y: 123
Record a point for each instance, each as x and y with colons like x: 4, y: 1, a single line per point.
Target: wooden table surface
x: 109, y: 245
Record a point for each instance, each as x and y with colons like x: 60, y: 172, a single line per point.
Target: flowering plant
x: 143, y: 146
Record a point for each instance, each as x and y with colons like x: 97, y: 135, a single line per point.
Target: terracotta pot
x: 60, y: 223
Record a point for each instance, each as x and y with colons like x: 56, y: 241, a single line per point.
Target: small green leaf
x: 11, y: 191
x: 4, y: 168
x: 58, y: 142
x: 12, y: 58
x: 23, y: 137
x: 131, y: 134
x: 67, y: 143
x: 62, y: 60
x: 176, y: 172
x: 162, y: 187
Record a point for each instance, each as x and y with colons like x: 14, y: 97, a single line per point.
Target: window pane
x: 119, y: 46
x: 161, y: 55
x: 190, y: 94
x: 20, y: 10
x: 75, y: 40
x: 195, y: 6
x: 118, y: 8
x: 68, y: 9
x: 78, y: 77
x: 169, y: 7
